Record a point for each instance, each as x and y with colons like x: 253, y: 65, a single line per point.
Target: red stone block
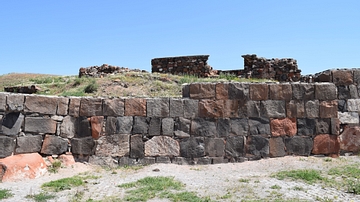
x: 202, y: 91
x: 342, y: 77
x: 211, y: 108
x: 96, y: 126
x: 350, y: 139
x: 283, y: 126
x: 135, y: 107
x: 222, y: 91
x: 326, y: 144
x: 259, y: 91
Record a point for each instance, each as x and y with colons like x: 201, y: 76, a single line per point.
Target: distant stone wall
x: 190, y: 65
x: 104, y: 70
x: 212, y: 123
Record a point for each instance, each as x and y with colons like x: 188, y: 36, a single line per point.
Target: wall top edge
x: 181, y: 56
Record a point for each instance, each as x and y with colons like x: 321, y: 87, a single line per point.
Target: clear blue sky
x: 59, y: 37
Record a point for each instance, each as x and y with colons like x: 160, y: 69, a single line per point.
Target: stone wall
x: 212, y: 123
x: 191, y: 65
x: 104, y: 70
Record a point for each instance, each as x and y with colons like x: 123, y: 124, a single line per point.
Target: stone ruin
x: 104, y: 70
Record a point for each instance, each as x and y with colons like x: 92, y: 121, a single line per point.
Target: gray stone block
x: 185, y: 88
x: 356, y: 73
x: 167, y: 126
x: 124, y: 124
x: 176, y: 107
x: 28, y: 144
x: 63, y: 106
x: 68, y: 127
x: 342, y: 107
x: 238, y: 91
x: 136, y: 147
x: 325, y: 91
x: 218, y: 160
x: 155, y: 126
x: 301, y: 146
x: 295, y: 109
x: 11, y: 123
x: 180, y: 134
x: 306, y: 127
x: 82, y: 127
x: 91, y: 107
x: 158, y: 107
x: 83, y: 146
x: 348, y: 117
x: 323, y: 126
x: 41, y: 104
x: 54, y: 145
x: 239, y: 127
x: 253, y: 108
x: 223, y: 127
x: 353, y: 92
x: 147, y: 161
x: 257, y: 146
x: 104, y: 161
x: 203, y: 161
x: 259, y: 126
x: 40, y: 125
x: 116, y: 145
x: 182, y: 124
x: 353, y: 105
x: 7, y: 145
x: 303, y: 91
x: 312, y: 108
x: 3, y: 102
x: 111, y: 125
x: 191, y: 108
x: 343, y: 92
x: 15, y: 102
x: 74, y: 107
x: 235, y: 147
x: 181, y: 161
x: 113, y: 107
x: 141, y: 125
x: 203, y: 127
x: 163, y: 159
x: 192, y: 148
x: 273, y: 108
x: 214, y: 147
x: 276, y: 147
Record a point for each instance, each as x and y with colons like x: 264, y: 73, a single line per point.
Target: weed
x: 275, y: 187
x: 298, y: 188
x: 183, y: 196
x: 244, y: 180
x: 309, y: 176
x: 63, y: 184
x: 5, y: 193
x: 55, y: 166
x: 92, y: 87
x: 41, y: 197
x: 327, y: 159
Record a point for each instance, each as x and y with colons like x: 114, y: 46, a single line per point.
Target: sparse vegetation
x: 5, y: 193
x: 41, y: 197
x: 308, y: 175
x: 350, y: 175
x: 55, y: 166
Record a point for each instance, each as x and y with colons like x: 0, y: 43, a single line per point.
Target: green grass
x: 244, y: 180
x: 350, y: 175
x: 55, y: 166
x: 307, y: 175
x: 5, y: 193
x: 275, y: 187
x: 41, y: 197
x: 162, y: 187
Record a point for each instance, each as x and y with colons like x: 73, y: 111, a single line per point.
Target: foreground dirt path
x: 245, y: 181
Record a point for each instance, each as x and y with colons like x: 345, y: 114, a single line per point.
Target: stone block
x: 124, y: 124
x: 231, y: 108
x: 182, y: 161
x: 350, y: 139
x: 11, y: 123
x: 259, y: 126
x: 326, y: 144
x: 202, y: 91
x: 295, y: 109
x: 74, y: 107
x: 353, y: 92
x: 353, y: 105
x: 40, y: 125
x: 356, y: 78
x: 192, y: 148
x: 180, y: 134
x: 155, y: 126
x: 324, y: 76
x: 116, y: 145
x: 239, y: 127
x: 258, y: 146
x: 82, y: 127
x: 335, y: 126
x: 162, y: 159
x: 239, y: 91
x: 328, y: 109
x: 185, y: 89
x: 158, y: 107
x: 211, y: 108
x: 162, y: 146
x: 348, y: 117
x: 342, y: 77
x: 259, y: 91
x: 191, y: 108
x: 214, y: 147
x: 276, y: 147
x: 7, y: 145
x: 343, y: 92
x: 218, y: 160
x: 96, y: 123
x: 323, y: 126
x: 297, y: 145
x: 68, y: 127
x: 222, y: 91
x: 273, y: 108
x: 254, y: 109
x: 113, y: 107
x: 202, y: 161
x: 28, y: 144
x: 342, y: 106
x: 136, y: 147
x: 3, y: 102
x: 203, y: 127
x: 234, y: 147
x: 15, y: 102
x: 167, y: 126
x: 103, y: 161
x: 135, y: 107
x: 141, y: 125
x: 283, y: 127
x: 242, y: 109
x: 147, y: 161
x: 63, y: 106
x: 83, y: 146
x: 280, y: 91
x: 312, y: 109
x: 182, y: 124
x: 223, y: 127
x: 176, y: 107
x: 41, y: 104
x: 90, y: 107
x: 110, y: 126
x: 325, y: 91
x: 303, y: 91
x: 54, y: 145
x: 306, y: 127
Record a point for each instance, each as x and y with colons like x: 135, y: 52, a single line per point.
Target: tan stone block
x: 259, y: 91
x: 135, y: 107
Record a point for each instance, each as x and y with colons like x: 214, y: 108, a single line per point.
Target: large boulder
x: 162, y: 146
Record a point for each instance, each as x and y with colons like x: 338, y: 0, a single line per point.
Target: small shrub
x: 5, y: 193
x: 55, y: 166
x: 91, y: 88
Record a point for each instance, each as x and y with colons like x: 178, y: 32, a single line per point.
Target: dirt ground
x: 247, y: 181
